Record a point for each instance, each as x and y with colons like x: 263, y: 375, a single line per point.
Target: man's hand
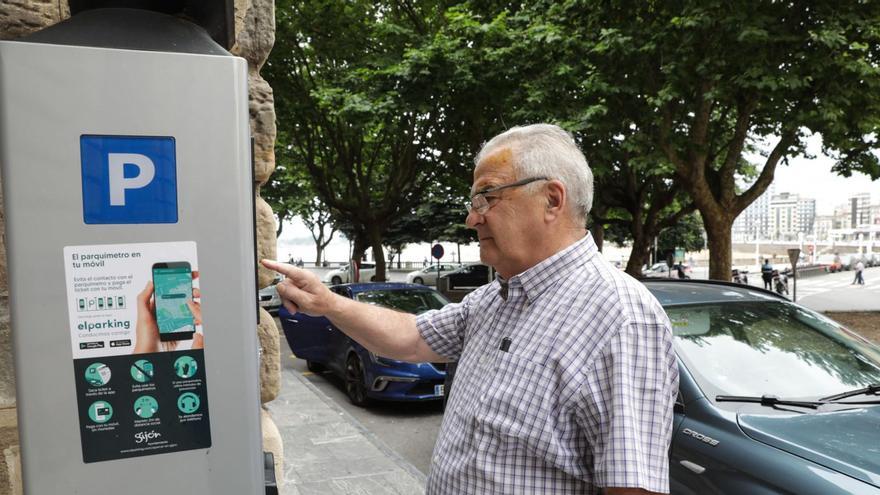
x: 146, y: 330
x: 302, y: 291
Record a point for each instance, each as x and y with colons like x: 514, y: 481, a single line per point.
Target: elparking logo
x: 128, y: 179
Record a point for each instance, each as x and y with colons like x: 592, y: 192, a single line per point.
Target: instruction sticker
x: 138, y: 348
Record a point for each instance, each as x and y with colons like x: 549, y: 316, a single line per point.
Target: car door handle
x: 693, y: 466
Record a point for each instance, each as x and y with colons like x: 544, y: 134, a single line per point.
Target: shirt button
x: 483, y: 398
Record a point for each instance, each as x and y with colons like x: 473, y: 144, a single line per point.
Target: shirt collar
x: 534, y: 281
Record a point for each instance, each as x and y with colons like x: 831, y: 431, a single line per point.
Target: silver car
x: 428, y: 275
x: 269, y: 299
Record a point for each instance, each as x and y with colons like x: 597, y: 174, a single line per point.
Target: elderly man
x: 566, y: 377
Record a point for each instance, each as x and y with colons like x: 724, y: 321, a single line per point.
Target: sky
x: 813, y: 178
x: 808, y: 177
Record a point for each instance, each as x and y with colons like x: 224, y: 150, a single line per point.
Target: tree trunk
x: 718, y: 233
x: 639, y: 255
x: 375, y: 237
x: 598, y: 232
x: 280, y: 225
x: 319, y: 252
x: 357, y: 251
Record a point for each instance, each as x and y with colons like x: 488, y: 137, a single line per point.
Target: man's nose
x: 473, y: 219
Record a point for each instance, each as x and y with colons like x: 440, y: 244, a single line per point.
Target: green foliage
x: 439, y: 217
x: 379, y: 100
x: 687, y: 234
x: 701, y: 81
x: 353, y: 118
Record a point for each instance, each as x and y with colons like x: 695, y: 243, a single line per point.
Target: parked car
x: 342, y: 275
x: 468, y: 276
x: 831, y: 262
x: 662, y: 270
x: 773, y: 397
x: 269, y: 299
x: 849, y: 261
x: 366, y: 375
x: 428, y: 274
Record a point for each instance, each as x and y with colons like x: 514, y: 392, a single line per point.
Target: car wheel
x: 419, y: 280
x: 314, y: 367
x: 373, y: 278
x: 355, y: 387
x: 336, y: 280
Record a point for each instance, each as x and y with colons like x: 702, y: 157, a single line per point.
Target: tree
x: 701, y: 80
x: 287, y: 187
x: 686, y: 234
x: 316, y: 218
x: 355, y: 118
x: 290, y: 194
x: 439, y: 217
x: 504, y: 58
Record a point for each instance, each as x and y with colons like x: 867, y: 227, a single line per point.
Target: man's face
x: 510, y: 226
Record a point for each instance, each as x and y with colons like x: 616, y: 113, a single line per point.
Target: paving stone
x: 328, y: 452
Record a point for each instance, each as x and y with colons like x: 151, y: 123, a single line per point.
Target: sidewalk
x: 326, y: 451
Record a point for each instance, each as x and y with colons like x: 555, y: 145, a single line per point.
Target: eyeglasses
x: 480, y: 204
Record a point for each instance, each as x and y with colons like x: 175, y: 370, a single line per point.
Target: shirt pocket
x: 517, y: 403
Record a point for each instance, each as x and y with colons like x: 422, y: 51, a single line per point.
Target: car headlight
x: 382, y: 360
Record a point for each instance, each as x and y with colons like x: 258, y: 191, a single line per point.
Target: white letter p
x: 119, y: 184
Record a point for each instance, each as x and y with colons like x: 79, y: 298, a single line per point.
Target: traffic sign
x: 793, y: 255
x: 437, y: 251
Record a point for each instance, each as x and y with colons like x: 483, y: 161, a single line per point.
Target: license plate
x: 438, y: 390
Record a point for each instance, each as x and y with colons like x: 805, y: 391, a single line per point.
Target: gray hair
x: 546, y: 150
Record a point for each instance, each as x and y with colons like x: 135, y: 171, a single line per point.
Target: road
x: 834, y: 291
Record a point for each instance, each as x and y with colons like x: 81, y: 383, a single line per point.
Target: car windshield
x: 410, y: 301
x: 757, y: 348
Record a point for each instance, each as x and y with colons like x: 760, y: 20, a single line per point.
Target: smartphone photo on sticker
x: 173, y: 289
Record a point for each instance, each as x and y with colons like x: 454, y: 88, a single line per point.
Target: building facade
x: 754, y: 222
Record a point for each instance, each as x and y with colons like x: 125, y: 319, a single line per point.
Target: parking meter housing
x: 66, y: 94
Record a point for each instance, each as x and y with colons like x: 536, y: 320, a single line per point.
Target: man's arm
x: 386, y: 332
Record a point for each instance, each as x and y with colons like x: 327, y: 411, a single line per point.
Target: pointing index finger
x: 282, y: 268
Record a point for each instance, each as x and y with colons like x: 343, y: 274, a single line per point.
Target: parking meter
x: 128, y: 192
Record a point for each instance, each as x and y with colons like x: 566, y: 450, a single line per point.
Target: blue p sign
x: 128, y: 179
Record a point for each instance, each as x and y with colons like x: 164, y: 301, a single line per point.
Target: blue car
x: 366, y: 375
x: 773, y: 397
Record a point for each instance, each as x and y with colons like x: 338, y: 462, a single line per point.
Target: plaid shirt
x: 582, y: 397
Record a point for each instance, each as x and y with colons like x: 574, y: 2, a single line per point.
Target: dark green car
x: 774, y: 398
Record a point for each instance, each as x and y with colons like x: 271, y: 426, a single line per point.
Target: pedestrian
x: 860, y: 267
x: 679, y: 268
x: 767, y: 274
x: 566, y: 374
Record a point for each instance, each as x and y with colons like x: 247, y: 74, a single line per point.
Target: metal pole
x: 794, y: 284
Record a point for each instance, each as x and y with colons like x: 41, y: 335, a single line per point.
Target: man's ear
x: 556, y: 197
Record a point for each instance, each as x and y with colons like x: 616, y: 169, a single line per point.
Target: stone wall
x: 255, y: 35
